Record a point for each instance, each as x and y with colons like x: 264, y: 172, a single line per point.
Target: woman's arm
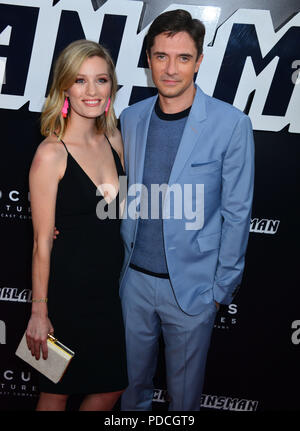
x: 45, y: 173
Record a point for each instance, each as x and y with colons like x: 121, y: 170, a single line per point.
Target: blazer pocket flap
x: 205, y: 167
x: 209, y: 242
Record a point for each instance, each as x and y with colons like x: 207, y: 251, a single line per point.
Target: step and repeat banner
x: 251, y: 60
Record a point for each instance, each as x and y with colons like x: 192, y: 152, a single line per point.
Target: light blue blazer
x: 216, y: 151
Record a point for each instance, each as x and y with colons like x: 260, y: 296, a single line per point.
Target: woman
x: 79, y: 271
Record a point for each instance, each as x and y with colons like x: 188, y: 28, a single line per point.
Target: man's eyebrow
x: 184, y: 54
x: 159, y: 53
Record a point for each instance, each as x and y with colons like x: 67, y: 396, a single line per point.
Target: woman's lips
x: 92, y: 102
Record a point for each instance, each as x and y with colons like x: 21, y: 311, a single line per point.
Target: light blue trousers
x: 149, y: 309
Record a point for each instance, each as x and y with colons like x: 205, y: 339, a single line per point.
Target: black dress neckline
x: 116, y: 159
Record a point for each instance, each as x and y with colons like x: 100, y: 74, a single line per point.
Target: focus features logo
x: 14, y: 205
x: 296, y: 333
x: 227, y: 317
x: 17, y: 383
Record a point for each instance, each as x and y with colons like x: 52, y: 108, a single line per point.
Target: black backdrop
x: 254, y: 358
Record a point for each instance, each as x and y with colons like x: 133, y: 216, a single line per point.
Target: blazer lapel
x: 141, y: 139
x: 191, y: 134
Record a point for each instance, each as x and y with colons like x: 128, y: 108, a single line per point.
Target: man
x: 176, y: 272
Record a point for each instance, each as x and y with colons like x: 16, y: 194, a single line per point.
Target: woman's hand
x: 55, y: 233
x: 36, y: 335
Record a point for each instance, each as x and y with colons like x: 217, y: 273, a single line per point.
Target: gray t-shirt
x: 164, y: 135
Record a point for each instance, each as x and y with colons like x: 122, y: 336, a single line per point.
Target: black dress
x: 84, y: 305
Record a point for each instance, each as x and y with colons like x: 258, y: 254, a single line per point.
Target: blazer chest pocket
x: 209, y: 242
x: 205, y: 167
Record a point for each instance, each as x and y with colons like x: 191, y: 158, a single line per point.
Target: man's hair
x: 173, y: 22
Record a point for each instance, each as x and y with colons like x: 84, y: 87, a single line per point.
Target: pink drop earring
x: 65, y: 108
x: 107, y: 107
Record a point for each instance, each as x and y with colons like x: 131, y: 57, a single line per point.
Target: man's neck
x: 172, y: 105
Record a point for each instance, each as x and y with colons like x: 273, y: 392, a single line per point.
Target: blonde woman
x: 75, y: 277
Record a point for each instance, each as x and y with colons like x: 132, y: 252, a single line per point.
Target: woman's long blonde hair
x: 65, y: 71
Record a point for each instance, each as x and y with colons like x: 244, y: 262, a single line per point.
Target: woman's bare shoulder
x: 50, y: 154
x: 50, y: 149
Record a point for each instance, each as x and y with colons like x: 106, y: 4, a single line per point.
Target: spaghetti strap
x: 108, y: 140
x: 64, y: 145
x: 62, y: 142
x: 116, y: 157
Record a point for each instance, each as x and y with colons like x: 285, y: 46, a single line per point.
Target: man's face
x: 173, y: 63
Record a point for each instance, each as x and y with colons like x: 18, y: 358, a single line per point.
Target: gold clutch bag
x: 54, y: 367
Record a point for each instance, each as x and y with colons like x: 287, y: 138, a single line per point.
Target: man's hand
x: 217, y: 305
x: 55, y: 233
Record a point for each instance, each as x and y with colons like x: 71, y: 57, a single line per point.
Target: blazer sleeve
x: 236, y: 204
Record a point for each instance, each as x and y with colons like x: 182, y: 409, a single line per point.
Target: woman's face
x: 92, y: 87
